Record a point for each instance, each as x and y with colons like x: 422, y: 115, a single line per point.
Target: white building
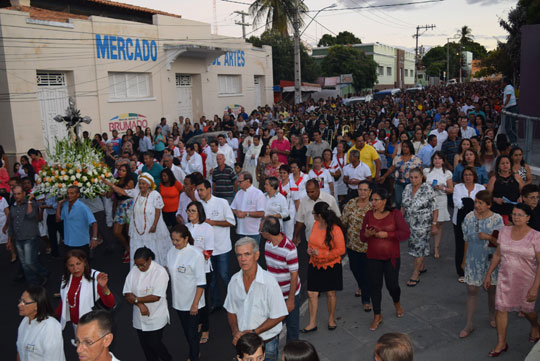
x: 120, y: 72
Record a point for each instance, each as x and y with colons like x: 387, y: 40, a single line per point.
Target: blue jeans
x: 272, y: 350
x: 28, y: 255
x: 510, y: 125
x: 358, y: 264
x: 398, y: 193
x: 292, y: 321
x: 220, y: 264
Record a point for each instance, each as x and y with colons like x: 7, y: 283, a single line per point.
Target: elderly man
x: 192, y: 161
x: 77, y: 218
x: 368, y: 156
x: 354, y: 173
x: 152, y: 167
x: 282, y: 263
x: 176, y: 170
x: 282, y: 146
x: 23, y: 234
x: 230, y: 157
x: 254, y: 300
x: 394, y: 347
x: 94, y: 335
x: 248, y: 206
x: 304, y: 216
x: 224, y: 179
x: 220, y: 216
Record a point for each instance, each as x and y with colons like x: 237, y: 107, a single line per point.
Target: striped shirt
x: 281, y: 260
x: 223, y: 181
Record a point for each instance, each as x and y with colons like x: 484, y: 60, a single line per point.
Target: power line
x: 378, y: 6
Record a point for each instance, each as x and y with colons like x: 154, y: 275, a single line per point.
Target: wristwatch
x: 94, y: 238
x: 136, y: 300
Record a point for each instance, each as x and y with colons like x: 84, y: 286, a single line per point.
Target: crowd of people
x: 354, y: 179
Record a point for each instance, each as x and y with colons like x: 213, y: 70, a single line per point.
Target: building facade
x: 121, y: 73
x: 395, y: 66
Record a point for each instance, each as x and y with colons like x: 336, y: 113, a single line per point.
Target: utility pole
x: 297, y: 69
x: 243, y: 23
x: 417, y: 35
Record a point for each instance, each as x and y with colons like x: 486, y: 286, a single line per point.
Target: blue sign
x: 231, y: 58
x: 119, y: 48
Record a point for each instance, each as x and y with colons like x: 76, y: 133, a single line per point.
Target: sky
x: 389, y: 25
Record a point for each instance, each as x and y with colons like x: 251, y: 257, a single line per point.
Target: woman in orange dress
x: 170, y: 190
x: 326, y: 245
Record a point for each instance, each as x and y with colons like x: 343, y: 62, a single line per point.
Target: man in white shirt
x: 441, y: 134
x: 248, y: 206
x: 254, y: 300
x: 510, y: 105
x: 211, y: 160
x: 176, y: 170
x: 304, y: 216
x: 354, y: 173
x: 186, y: 197
x: 466, y: 131
x: 220, y: 216
x: 322, y: 175
x: 192, y: 161
x: 230, y: 158
x: 94, y: 336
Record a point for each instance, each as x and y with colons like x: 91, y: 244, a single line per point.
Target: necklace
x: 144, y: 213
x: 75, y: 296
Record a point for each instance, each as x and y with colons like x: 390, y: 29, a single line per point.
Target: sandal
x: 466, y: 332
x: 423, y: 271
x: 367, y: 307
x: 358, y: 293
x: 375, y: 325
x: 533, y: 339
x: 413, y: 283
x: 203, y: 340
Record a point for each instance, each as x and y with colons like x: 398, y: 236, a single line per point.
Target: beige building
x: 121, y: 73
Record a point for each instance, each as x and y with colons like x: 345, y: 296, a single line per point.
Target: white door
x: 258, y: 83
x: 53, y: 100
x: 184, y: 96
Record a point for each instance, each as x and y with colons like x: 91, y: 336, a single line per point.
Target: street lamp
x: 448, y: 55
x: 297, y: 34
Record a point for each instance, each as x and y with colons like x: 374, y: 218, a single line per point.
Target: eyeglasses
x: 534, y: 197
x: 376, y: 199
x: 518, y: 215
x: 25, y: 302
x: 87, y: 344
x: 141, y: 266
x: 191, y: 211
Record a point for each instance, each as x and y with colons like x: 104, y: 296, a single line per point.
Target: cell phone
x: 434, y: 183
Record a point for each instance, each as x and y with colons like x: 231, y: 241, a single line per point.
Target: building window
x: 411, y: 73
x: 229, y: 84
x: 380, y: 70
x: 406, y: 72
x: 129, y: 85
x: 420, y: 76
x: 389, y: 71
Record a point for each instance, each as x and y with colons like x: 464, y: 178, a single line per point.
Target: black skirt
x: 325, y: 279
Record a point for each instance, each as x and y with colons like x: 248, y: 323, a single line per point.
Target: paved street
x: 434, y: 315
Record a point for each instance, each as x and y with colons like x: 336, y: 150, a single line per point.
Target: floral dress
x: 352, y: 219
x: 404, y: 167
x: 479, y: 253
x: 418, y: 212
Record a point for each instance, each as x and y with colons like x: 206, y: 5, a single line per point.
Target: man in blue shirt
x: 116, y: 142
x: 77, y: 218
x: 152, y: 167
x: 425, y: 153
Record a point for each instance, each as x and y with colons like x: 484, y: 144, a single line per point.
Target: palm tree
x: 465, y: 35
x: 277, y: 14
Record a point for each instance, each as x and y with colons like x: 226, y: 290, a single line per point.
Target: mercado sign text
x: 119, y: 48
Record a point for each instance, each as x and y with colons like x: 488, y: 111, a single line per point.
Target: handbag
x: 99, y: 305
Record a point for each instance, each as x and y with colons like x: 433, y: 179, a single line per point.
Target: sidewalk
x: 434, y: 315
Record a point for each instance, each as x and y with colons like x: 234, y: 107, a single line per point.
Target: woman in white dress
x: 339, y: 161
x: 40, y: 334
x: 203, y: 237
x: 285, y: 190
x: 147, y: 227
x: 440, y: 178
x: 250, y: 160
x: 185, y: 263
x: 146, y: 289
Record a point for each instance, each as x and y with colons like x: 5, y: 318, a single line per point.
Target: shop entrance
x: 184, y: 95
x: 53, y: 100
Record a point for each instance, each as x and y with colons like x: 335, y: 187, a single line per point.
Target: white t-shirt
x: 305, y: 211
x: 263, y: 300
x: 441, y: 137
x: 40, y: 341
x: 323, y: 177
x: 194, y: 164
x: 277, y: 205
x: 230, y: 158
x: 183, y: 203
x: 203, y: 236
x: 218, y: 209
x: 186, y: 268
x: 152, y: 282
x: 250, y: 200
x: 360, y: 172
x: 509, y: 90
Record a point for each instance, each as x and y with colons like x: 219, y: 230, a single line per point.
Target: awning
x: 206, y: 53
x: 288, y: 86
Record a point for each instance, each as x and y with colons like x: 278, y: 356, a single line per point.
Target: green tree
x: 435, y: 60
x: 478, y: 50
x: 278, y: 15
x: 282, y: 57
x: 343, y: 38
x: 343, y: 59
x: 465, y: 35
